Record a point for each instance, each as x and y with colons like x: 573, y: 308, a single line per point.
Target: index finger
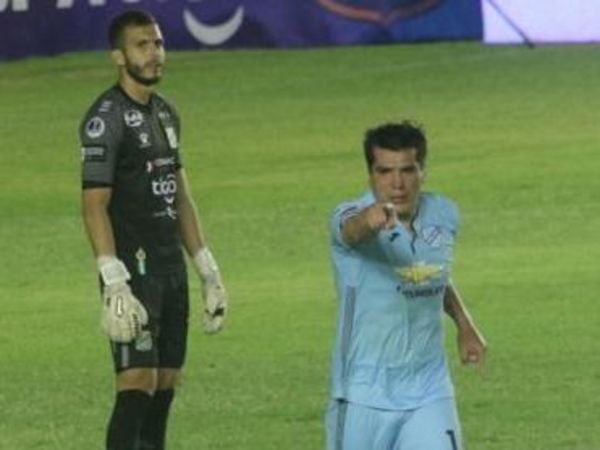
x: 390, y: 212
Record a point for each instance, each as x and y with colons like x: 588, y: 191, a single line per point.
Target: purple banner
x: 44, y: 27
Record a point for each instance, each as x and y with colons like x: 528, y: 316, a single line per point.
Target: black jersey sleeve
x: 100, y: 134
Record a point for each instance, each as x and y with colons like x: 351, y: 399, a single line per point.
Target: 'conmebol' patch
x: 95, y: 127
x: 380, y: 11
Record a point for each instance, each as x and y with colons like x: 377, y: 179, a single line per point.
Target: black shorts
x: 163, y: 341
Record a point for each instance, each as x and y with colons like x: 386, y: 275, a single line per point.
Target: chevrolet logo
x: 419, y: 273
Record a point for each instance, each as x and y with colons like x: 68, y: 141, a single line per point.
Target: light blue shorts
x: 351, y: 426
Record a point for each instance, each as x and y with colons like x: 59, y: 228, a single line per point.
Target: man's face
x: 143, y: 53
x: 396, y: 177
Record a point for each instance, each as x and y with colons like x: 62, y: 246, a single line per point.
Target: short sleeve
x: 100, y: 135
x: 340, y: 214
x: 451, y: 215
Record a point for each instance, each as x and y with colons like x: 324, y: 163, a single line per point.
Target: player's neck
x: 136, y: 91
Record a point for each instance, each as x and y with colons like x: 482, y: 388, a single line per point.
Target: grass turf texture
x: 272, y: 143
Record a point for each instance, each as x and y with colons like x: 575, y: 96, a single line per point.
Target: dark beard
x: 135, y: 73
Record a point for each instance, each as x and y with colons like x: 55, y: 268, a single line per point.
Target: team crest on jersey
x: 144, y: 342
x: 433, y: 236
x: 95, y: 127
x: 419, y: 273
x: 379, y: 11
x: 172, y: 137
x: 133, y: 118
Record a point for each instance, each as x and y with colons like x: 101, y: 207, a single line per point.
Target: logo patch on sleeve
x: 95, y: 127
x: 93, y: 154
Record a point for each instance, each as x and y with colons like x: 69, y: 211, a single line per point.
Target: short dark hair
x: 128, y: 18
x: 396, y: 137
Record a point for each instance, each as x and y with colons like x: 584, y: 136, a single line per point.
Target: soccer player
x: 392, y: 251
x: 138, y: 214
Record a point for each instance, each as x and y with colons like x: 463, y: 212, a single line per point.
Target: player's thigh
x: 355, y: 427
x: 432, y: 427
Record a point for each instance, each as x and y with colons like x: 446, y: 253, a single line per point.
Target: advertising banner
x: 548, y: 21
x: 45, y: 27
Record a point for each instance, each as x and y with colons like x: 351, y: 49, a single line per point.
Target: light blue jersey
x: 389, y: 350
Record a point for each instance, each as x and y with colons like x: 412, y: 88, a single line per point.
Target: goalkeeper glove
x: 213, y: 292
x: 123, y: 316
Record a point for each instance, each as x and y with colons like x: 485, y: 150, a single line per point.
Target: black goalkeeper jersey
x: 134, y: 149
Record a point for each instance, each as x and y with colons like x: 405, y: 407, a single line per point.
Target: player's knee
x: 143, y: 379
x: 168, y: 378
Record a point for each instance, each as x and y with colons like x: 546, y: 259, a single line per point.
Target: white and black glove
x: 123, y: 316
x: 213, y: 292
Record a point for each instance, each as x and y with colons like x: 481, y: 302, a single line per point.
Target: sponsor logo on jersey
x: 133, y: 118
x: 167, y: 212
x: 95, y: 127
x: 158, y: 163
x: 164, y: 162
x: 379, y: 11
x: 433, y: 291
x: 93, y: 154
x: 172, y: 137
x: 419, y: 273
x: 165, y: 187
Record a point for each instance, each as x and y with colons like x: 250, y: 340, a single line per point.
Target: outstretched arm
x: 367, y: 223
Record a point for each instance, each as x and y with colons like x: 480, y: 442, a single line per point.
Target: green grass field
x: 272, y: 143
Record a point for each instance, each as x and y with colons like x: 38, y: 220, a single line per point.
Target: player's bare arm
x: 471, y: 343
x: 370, y: 221
x: 189, y: 223
x: 214, y: 294
x: 94, y: 209
x: 123, y: 316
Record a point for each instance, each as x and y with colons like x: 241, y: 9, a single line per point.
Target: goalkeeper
x: 138, y: 214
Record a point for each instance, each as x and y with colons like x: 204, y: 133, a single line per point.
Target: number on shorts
x: 452, y: 437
